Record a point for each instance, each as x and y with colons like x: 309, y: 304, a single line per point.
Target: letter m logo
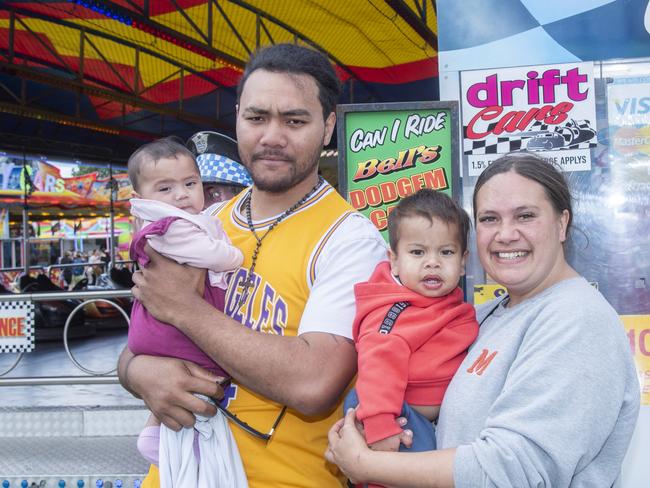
x: 482, y: 362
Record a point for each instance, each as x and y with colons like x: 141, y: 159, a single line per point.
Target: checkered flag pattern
x: 17, y: 344
x: 220, y: 169
x: 576, y: 135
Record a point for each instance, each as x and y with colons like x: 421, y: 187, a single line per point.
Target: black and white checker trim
x: 502, y: 145
x: 23, y: 344
x: 220, y: 169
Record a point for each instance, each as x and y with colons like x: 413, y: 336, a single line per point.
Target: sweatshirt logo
x: 391, y: 317
x: 482, y: 362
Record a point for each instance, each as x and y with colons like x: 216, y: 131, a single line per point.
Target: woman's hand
x: 347, y: 448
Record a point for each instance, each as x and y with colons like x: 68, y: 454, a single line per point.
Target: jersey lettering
x: 272, y: 314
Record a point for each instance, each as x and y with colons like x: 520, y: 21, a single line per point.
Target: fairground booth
x: 51, y: 208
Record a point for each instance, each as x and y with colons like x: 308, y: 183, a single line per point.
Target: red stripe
x: 56, y: 10
x: 26, y: 43
x: 70, y: 10
x: 160, y: 7
x: 400, y: 73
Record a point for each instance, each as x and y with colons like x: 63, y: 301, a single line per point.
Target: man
x: 67, y: 271
x: 77, y: 271
x: 304, y: 249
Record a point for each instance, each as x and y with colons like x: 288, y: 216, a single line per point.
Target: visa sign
x: 628, y: 103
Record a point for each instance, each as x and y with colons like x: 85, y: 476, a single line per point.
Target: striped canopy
x: 86, y: 74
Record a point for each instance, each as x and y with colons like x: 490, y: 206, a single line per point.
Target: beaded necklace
x: 250, y: 281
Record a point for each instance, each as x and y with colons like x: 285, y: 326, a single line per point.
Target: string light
x: 26, y: 112
x: 100, y: 8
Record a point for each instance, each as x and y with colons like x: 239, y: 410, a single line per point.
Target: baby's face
x: 429, y: 259
x: 175, y: 181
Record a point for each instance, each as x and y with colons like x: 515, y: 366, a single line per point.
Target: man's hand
x: 168, y: 289
x: 167, y: 385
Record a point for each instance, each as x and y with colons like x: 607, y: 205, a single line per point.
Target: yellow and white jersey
x: 303, y: 282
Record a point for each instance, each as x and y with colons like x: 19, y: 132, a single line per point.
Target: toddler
x: 168, y: 201
x: 412, y: 328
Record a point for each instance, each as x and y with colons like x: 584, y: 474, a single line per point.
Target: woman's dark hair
x: 297, y: 60
x: 536, y: 169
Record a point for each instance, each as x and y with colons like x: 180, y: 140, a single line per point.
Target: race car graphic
x: 568, y: 135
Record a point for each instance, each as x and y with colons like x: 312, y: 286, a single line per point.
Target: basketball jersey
x: 284, y: 273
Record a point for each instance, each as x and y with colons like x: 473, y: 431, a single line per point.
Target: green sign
x: 389, y: 151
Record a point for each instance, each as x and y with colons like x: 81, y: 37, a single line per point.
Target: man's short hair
x: 297, y: 60
x: 429, y: 204
x: 167, y: 147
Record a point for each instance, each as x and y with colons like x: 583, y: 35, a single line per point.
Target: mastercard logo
x: 631, y: 140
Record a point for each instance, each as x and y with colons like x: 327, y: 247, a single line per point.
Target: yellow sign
x: 489, y: 291
x: 486, y: 292
x: 637, y: 328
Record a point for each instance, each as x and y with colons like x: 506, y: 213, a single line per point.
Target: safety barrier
x: 97, y: 377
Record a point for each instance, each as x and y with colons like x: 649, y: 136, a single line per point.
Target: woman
x: 548, y: 394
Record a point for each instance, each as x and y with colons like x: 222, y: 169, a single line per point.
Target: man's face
x: 218, y: 192
x: 280, y: 129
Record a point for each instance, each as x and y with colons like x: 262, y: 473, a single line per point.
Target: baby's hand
x: 388, y: 444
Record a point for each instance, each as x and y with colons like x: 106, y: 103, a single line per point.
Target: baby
x: 412, y: 327
x: 168, y: 201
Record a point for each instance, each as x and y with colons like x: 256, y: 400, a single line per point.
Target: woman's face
x: 519, y: 235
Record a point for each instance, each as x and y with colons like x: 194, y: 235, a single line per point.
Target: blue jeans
x: 424, y: 433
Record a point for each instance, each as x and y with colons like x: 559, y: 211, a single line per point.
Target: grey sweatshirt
x: 548, y: 395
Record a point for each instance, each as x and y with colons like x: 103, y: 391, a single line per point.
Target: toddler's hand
x: 406, y: 437
x: 388, y: 444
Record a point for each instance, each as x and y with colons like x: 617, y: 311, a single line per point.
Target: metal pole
x: 25, y: 243
x: 60, y: 380
x: 64, y: 295
x: 112, y: 182
x: 181, y: 91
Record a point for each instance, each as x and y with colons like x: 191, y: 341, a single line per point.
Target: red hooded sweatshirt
x: 409, y: 347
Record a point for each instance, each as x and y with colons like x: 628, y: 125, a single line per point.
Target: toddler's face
x: 175, y: 181
x: 429, y: 259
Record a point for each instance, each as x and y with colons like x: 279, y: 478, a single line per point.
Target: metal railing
x: 20, y: 268
x: 96, y: 377
x: 47, y: 270
x: 50, y: 267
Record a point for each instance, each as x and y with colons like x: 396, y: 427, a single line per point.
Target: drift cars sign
x: 16, y: 326
x: 548, y: 109
x: 389, y: 151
